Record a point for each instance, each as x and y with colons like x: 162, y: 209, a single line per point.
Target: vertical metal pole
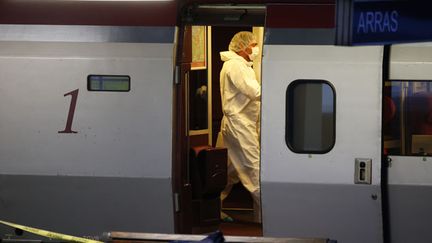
x: 403, y: 117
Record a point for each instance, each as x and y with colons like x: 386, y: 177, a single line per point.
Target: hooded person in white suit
x: 241, y: 94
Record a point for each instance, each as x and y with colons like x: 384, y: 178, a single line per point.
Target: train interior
x: 206, y: 40
x: 407, y: 118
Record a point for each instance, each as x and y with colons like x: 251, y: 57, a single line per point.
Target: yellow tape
x: 49, y: 234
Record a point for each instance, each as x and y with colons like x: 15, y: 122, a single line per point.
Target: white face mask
x: 254, y: 54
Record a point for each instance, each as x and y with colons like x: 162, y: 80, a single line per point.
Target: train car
x: 110, y: 109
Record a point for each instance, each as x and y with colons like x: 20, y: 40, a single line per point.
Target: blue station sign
x: 384, y: 22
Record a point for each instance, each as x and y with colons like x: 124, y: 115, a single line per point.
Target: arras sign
x: 377, y: 22
x: 383, y: 22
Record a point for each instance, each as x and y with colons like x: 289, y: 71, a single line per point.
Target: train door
x: 407, y: 134
x: 321, y: 120
x: 206, y: 32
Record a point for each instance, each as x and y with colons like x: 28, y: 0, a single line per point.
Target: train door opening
x: 200, y: 171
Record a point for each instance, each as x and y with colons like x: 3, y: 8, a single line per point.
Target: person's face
x: 250, y: 46
x: 248, y: 50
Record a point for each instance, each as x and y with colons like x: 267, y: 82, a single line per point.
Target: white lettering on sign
x: 378, y: 22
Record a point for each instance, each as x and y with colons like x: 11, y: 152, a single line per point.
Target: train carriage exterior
x: 95, y: 130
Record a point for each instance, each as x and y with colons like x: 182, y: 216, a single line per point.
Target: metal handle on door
x: 363, y: 171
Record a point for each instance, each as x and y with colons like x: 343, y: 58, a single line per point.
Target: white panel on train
x: 119, y: 134
x: 307, y: 194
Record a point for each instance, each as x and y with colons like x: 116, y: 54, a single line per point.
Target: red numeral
x: 68, y: 128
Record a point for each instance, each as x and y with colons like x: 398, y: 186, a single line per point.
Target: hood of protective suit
x: 230, y: 55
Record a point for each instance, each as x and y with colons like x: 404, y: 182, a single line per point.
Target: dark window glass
x: 407, y: 117
x: 113, y: 83
x: 310, y: 116
x: 198, y: 100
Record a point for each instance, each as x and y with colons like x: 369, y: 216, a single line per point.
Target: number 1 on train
x: 68, y: 128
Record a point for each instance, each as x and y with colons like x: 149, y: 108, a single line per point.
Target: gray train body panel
x: 111, y: 169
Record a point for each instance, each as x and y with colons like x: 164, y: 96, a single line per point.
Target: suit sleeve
x: 249, y: 87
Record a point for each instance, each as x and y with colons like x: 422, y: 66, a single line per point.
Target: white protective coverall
x: 241, y: 95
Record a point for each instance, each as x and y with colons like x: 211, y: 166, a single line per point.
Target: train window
x: 310, y: 116
x: 113, y: 83
x: 407, y: 118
